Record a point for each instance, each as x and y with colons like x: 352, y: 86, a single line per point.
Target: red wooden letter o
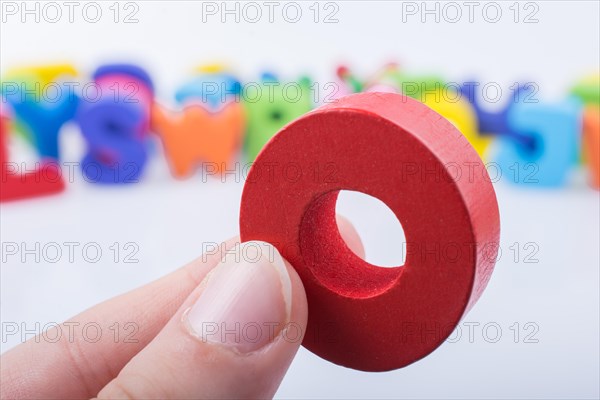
x: 403, y: 153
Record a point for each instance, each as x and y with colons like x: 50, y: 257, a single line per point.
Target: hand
x: 226, y: 325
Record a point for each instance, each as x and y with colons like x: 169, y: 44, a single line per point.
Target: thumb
x: 234, y: 336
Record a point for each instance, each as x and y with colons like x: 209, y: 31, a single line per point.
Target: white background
x: 169, y: 220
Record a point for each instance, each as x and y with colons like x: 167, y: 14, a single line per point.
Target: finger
x: 350, y: 236
x: 78, y: 366
x: 233, y: 337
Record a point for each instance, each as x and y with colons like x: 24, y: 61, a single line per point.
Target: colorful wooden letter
x: 196, y: 135
x: 460, y: 112
x: 15, y: 185
x: 269, y: 106
x: 116, y: 125
x: 43, y: 99
x: 496, y: 123
x: 591, y: 143
x: 554, y: 131
x: 212, y: 90
x: 588, y: 89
